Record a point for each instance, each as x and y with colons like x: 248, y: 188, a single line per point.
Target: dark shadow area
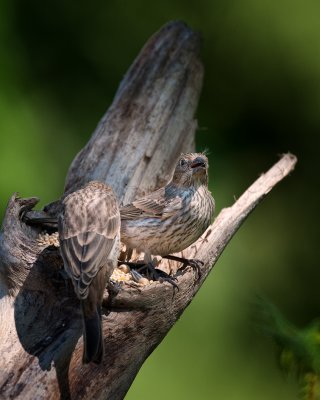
x: 46, y: 311
x: 48, y: 318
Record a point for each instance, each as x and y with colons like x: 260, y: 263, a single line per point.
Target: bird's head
x: 191, y: 170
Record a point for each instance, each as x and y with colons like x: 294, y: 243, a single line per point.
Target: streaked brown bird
x: 173, y: 217
x: 89, y: 232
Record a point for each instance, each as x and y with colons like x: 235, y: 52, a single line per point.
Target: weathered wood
x: 134, y: 148
x: 151, y: 120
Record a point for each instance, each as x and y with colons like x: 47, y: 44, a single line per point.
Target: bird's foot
x: 151, y: 272
x: 114, y: 287
x: 193, y: 263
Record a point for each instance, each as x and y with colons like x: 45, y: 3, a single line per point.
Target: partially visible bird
x: 172, y: 218
x: 89, y: 232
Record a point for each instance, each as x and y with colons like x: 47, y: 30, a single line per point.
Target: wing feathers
x: 88, y: 228
x: 155, y: 205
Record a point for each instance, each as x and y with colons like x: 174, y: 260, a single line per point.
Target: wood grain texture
x: 134, y: 149
x: 151, y: 120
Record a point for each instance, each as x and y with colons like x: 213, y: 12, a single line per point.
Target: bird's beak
x: 198, y: 163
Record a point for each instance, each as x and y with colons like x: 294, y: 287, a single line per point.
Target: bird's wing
x: 88, y: 228
x: 172, y: 207
x: 155, y: 205
x: 151, y: 205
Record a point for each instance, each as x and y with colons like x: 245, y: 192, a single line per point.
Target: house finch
x: 173, y: 217
x: 89, y: 231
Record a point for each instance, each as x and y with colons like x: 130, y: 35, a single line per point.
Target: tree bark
x: 133, y: 149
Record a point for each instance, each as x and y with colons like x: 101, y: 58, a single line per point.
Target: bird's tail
x: 40, y: 218
x: 93, y: 348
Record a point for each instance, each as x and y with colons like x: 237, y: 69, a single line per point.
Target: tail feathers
x: 40, y: 218
x: 92, y: 338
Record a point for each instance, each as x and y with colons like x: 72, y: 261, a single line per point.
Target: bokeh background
x: 60, y: 65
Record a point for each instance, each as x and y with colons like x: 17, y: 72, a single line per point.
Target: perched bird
x: 89, y: 232
x: 173, y: 217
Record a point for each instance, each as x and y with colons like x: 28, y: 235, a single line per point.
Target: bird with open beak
x: 173, y: 217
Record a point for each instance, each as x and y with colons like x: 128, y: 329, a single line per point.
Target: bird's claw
x: 162, y: 276
x: 152, y: 273
x: 114, y: 287
x: 193, y: 263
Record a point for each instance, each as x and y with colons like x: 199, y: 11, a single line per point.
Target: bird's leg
x: 193, y: 263
x: 151, y: 271
x: 113, y: 288
x: 155, y: 273
x: 159, y: 275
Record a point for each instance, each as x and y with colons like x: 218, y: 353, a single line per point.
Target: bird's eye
x: 182, y: 162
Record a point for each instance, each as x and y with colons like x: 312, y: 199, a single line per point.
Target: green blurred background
x: 61, y: 63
